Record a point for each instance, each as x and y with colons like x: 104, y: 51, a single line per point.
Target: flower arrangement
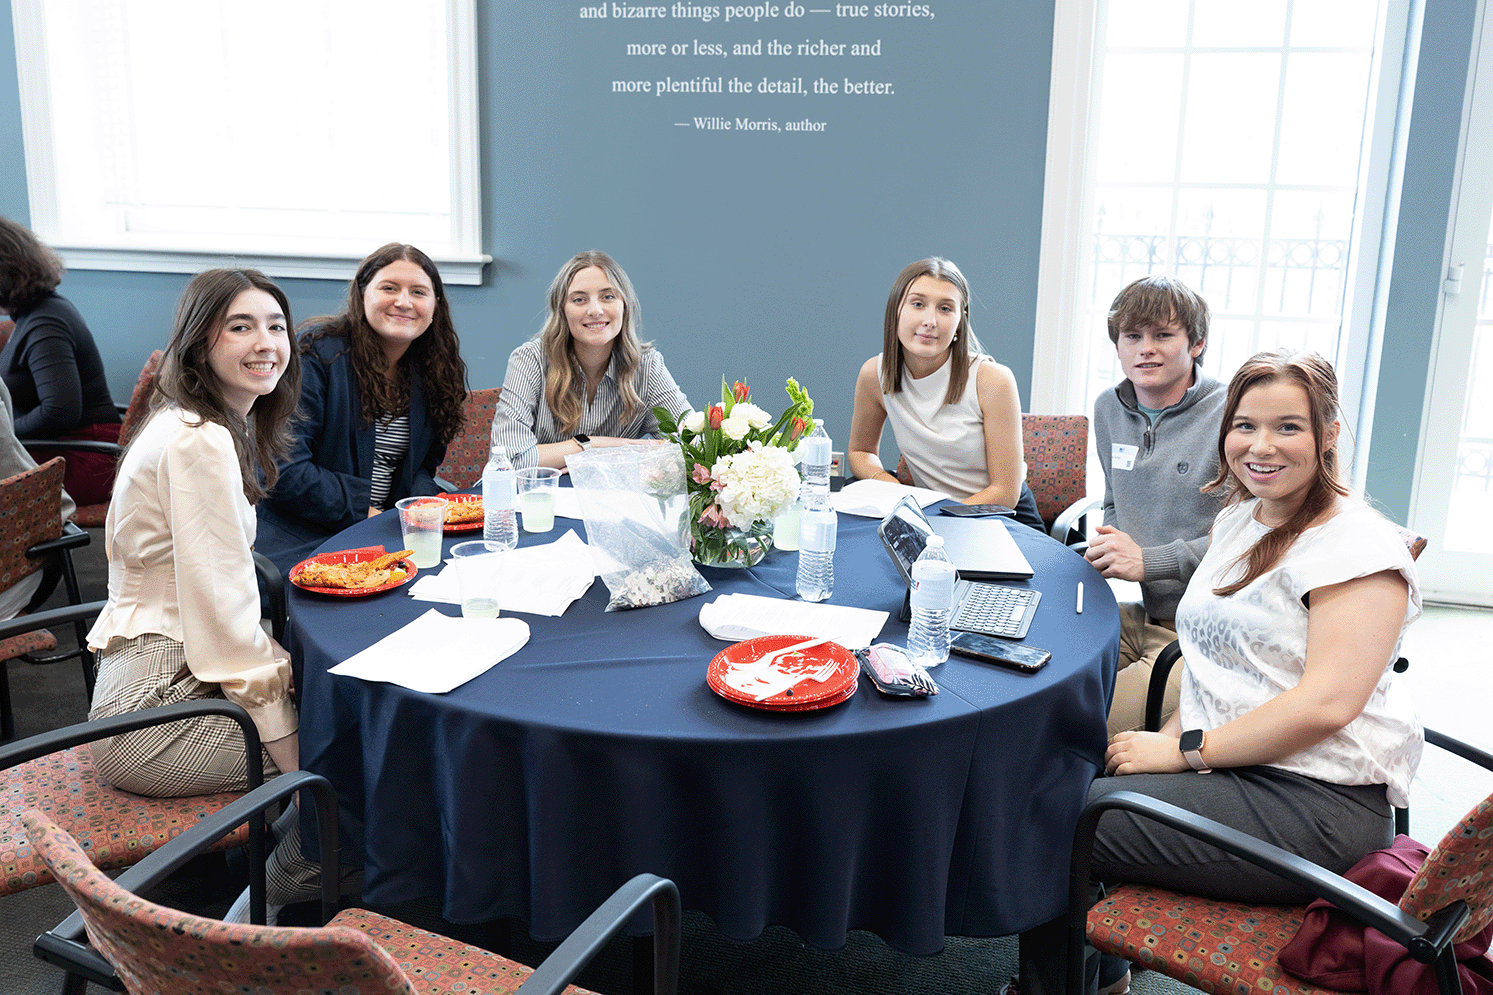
x: 740, y: 475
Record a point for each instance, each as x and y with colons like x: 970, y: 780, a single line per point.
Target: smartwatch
x: 583, y: 439
x: 1191, y: 745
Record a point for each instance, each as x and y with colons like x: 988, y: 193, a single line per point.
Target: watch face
x: 584, y: 440
x: 1192, y: 739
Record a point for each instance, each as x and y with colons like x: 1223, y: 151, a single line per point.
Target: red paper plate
x: 352, y: 556
x: 464, y: 499
x: 806, y: 695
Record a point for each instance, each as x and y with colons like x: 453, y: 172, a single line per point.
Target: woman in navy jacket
x: 382, y: 391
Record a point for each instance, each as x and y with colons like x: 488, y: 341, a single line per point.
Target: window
x: 289, y: 134
x: 1239, y: 147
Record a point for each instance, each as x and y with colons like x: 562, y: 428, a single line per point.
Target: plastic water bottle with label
x: 932, y: 604
x: 816, y: 553
x: 499, y: 520
x: 816, y: 451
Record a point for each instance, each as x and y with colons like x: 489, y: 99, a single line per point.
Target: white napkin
x: 734, y: 617
x: 540, y: 580
x: 568, y: 503
x: 876, y: 498
x: 437, y: 652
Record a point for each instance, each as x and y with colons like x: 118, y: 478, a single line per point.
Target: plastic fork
x: 766, y: 660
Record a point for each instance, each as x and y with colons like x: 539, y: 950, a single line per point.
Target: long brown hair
x: 964, y: 345
x: 563, y: 378
x: 1315, y: 376
x: 435, y: 355
x: 29, y: 270
x: 187, y: 380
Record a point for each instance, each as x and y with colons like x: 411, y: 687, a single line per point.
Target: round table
x: 597, y: 751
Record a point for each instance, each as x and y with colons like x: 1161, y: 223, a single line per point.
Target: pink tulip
x: 740, y: 391
x: 717, y: 415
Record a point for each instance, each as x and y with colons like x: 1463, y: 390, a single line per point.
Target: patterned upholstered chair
x: 91, y: 516
x: 467, y: 453
x: 1219, y: 946
x: 154, y: 948
x: 1056, y: 448
x: 33, y: 538
x: 54, y: 773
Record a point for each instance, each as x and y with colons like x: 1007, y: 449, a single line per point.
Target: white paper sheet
x: 876, y: 498
x: 437, y: 652
x: 541, y: 580
x: 734, y: 617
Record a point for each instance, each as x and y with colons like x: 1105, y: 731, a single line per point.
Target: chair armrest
x: 591, y: 936
x: 1424, y: 940
x: 65, y: 944
x: 1070, y: 516
x: 77, y: 445
x: 446, y: 486
x: 79, y: 733
x: 1466, y: 751
x: 72, y: 537
x: 52, y: 616
x: 273, y: 583
x: 1156, y: 691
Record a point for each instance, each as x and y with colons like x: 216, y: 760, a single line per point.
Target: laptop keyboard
x: 996, y: 610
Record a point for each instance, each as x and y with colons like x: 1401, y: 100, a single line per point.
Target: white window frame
x: 462, y: 263
x: 1071, y: 105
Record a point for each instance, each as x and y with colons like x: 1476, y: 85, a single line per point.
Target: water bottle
x: 932, y: 604
x: 815, y: 451
x: 499, y: 522
x: 816, y: 552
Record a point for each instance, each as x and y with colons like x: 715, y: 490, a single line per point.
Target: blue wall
x: 755, y: 255
x: 760, y: 256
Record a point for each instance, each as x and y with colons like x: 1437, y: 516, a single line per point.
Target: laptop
x: 981, y: 550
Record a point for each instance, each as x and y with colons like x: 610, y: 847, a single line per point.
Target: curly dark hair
x: 435, y: 355
x: 29, y: 270
x: 187, y: 381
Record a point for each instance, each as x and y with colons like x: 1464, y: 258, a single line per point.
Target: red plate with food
x: 463, y: 512
x: 814, y: 677
x: 354, y: 573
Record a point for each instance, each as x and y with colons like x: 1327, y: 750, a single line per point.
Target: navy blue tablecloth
x: 597, y: 751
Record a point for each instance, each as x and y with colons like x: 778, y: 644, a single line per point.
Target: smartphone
x: 976, y: 510
x: 1017, y: 656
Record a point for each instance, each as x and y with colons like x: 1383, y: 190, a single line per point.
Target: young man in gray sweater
x: 1156, y: 434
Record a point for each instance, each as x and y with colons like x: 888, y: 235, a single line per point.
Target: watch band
x: 1191, y: 744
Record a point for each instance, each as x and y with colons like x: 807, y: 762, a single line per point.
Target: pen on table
x: 1079, y: 609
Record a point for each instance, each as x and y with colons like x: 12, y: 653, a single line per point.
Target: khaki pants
x: 1141, y: 641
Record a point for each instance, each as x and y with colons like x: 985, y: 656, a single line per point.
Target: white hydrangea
x: 757, y: 484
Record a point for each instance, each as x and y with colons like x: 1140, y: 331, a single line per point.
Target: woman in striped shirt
x: 381, y: 397
x: 585, y: 380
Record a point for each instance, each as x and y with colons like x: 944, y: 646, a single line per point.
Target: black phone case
x: 990, y: 649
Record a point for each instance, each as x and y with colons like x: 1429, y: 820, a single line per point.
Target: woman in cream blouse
x: 182, y: 619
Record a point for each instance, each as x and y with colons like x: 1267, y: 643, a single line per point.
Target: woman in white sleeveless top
x: 955, y: 412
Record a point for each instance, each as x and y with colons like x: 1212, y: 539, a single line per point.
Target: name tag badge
x: 1122, y: 457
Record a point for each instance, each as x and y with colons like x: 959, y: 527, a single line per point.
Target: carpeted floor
x: 47, y: 697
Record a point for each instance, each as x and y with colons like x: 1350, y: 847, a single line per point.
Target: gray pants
x: 197, y: 756
x: 1333, y: 825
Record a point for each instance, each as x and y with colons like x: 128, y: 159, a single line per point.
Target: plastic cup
x: 536, y: 497
x: 422, y: 521
x: 479, y: 576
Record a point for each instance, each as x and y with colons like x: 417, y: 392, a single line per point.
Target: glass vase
x: 727, y: 546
